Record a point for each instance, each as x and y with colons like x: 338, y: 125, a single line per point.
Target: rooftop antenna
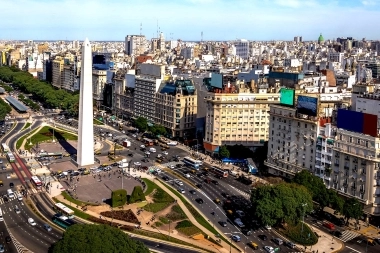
x: 202, y: 36
x: 140, y: 38
x: 157, y: 29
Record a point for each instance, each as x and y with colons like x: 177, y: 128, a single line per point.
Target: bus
x: 219, y: 172
x: 63, y: 221
x: 1, y: 215
x: 5, y: 147
x: 10, y: 157
x: 192, y: 162
x: 64, y: 210
x: 36, y: 182
x: 148, y: 142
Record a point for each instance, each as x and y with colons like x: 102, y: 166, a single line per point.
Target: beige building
x: 237, y: 116
x: 99, y: 79
x: 291, y: 145
x: 57, y: 69
x: 356, y: 168
x: 124, y: 88
x: 176, y: 108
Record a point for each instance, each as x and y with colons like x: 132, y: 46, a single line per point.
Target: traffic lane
x: 210, y: 206
x: 163, y: 247
x: 3, y: 234
x: 14, y: 138
x: 38, y: 231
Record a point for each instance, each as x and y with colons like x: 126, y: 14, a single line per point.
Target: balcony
x: 346, y: 167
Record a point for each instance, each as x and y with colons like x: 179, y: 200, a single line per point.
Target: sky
x: 112, y: 20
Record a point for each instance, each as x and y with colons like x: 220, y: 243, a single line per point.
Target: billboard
x: 216, y: 80
x: 287, y: 97
x: 350, y: 120
x: 370, y: 124
x: 307, y: 105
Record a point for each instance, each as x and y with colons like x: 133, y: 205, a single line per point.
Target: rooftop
x: 17, y: 104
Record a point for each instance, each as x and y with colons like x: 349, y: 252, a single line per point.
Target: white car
x: 147, y: 153
x: 179, y: 182
x: 142, y: 146
x: 268, y: 227
x: 109, y: 135
x: 137, y: 163
x: 134, y: 136
x: 19, y: 197
x: 158, y: 170
x: 32, y: 222
x: 165, y: 153
x: 171, y: 167
x: 269, y: 249
x: 187, y: 175
x: 181, y: 190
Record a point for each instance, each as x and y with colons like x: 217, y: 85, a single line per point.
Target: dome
x: 320, y: 38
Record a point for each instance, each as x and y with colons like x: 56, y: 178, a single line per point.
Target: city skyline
x: 217, y: 19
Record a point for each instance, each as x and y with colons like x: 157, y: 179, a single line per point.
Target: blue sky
x: 186, y: 19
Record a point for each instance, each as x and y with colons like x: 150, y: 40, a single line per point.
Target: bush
x: 164, y: 220
x: 161, y: 200
x: 293, y: 232
x: 124, y: 215
x: 118, y: 198
x: 187, y: 228
x: 176, y: 214
x: 137, y: 195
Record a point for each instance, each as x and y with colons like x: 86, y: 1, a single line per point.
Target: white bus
x: 64, y: 210
x: 1, y: 215
x: 192, y: 162
x: 5, y: 147
x: 10, y: 157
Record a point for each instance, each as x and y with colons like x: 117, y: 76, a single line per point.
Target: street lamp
x: 169, y: 229
x: 303, y: 216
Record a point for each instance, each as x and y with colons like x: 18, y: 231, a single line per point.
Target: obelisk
x: 85, y: 148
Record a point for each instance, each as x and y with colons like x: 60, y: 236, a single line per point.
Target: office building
x: 176, y: 108
x: 135, y: 44
x: 99, y: 79
x: 57, y: 70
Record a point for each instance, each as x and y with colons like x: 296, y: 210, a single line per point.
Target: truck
x: 126, y: 143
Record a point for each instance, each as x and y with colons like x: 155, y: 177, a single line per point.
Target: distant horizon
x: 189, y: 20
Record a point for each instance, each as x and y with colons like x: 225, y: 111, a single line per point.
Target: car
x: 246, y: 231
x: 290, y: 244
x: 226, y: 195
x: 278, y: 241
x: 5, y: 198
x: 19, y: 197
x: 75, y: 173
x: 134, y: 136
x: 137, y: 163
x: 178, y: 182
x: 199, y: 200
x: 8, y: 176
x: 165, y: 153
x: 181, y: 190
x: 11, y: 185
x: 158, y: 170
x: 8, y: 239
x: 165, y: 178
x: 17, y: 210
x: 253, y: 245
x: 263, y: 237
x: 171, y: 167
x: 199, y: 185
x: 269, y: 249
x: 69, y: 172
x: 215, y: 182
x: 337, y: 234
x: 130, y: 154
x: 147, y: 152
x: 239, y: 223
x: 236, y: 238
x: 193, y: 192
x: 2, y: 248
x: 187, y: 175
x: 31, y: 221
x: 47, y: 227
x: 222, y: 223
x: 267, y: 227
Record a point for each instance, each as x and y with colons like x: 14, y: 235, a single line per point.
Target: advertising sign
x: 287, y: 97
x: 307, y: 105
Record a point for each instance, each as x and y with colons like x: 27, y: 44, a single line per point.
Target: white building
x: 147, y: 84
x: 135, y: 44
x: 242, y: 48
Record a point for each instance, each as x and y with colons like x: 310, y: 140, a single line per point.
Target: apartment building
x: 176, y: 108
x: 237, y: 116
x: 99, y: 79
x: 70, y: 78
x: 324, y: 150
x: 291, y: 145
x: 57, y: 69
x: 135, y: 44
x: 356, y: 168
x: 147, y: 83
x: 124, y: 89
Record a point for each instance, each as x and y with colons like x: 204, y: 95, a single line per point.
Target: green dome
x: 321, y: 39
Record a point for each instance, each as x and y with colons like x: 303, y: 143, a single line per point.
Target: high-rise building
x: 99, y: 79
x: 85, y: 148
x: 135, y: 44
x: 242, y: 48
x: 57, y: 69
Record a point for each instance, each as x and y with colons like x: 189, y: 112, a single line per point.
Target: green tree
x: 157, y: 130
x: 137, y: 195
x: 141, y: 123
x: 352, y: 209
x: 85, y: 238
x: 336, y: 201
x: 273, y: 204
x: 224, y: 152
x: 118, y: 198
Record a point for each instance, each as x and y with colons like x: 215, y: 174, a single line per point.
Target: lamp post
x: 169, y: 229
x: 303, y: 216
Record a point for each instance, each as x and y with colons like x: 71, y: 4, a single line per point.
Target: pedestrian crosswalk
x: 163, y: 165
x: 5, y: 198
x: 348, y: 235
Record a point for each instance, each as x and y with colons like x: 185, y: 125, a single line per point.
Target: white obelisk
x: 85, y: 148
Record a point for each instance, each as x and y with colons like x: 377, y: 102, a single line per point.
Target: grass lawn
x: 97, y: 122
x: 150, y: 186
x: 75, y: 201
x: 176, y: 214
x: 21, y: 140
x: 187, y: 228
x: 293, y: 232
x: 46, y: 135
x: 26, y: 126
